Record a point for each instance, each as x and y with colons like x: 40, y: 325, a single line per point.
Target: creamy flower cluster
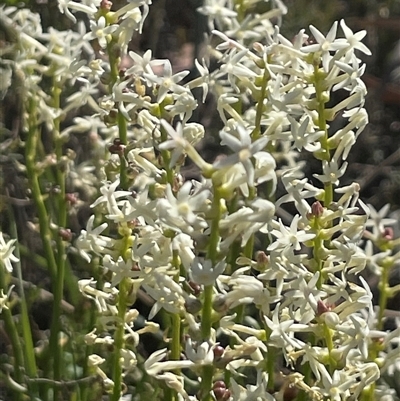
x: 259, y: 294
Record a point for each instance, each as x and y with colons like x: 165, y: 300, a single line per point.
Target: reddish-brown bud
x: 196, y: 288
x: 71, y: 198
x: 322, y: 308
x: 117, y: 148
x: 262, y: 259
x: 218, y: 351
x: 388, y: 233
x: 221, y: 394
x: 219, y: 383
x: 106, y: 5
x: 65, y: 234
x: 317, y: 209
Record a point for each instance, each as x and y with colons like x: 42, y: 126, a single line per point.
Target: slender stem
x: 319, y: 77
x: 271, y: 356
x: 167, y: 158
x: 12, y: 332
x: 122, y: 126
x: 206, y: 316
x: 92, y: 321
x: 260, y: 105
x: 123, y: 136
x: 383, y: 294
x: 176, y: 337
x: 175, y: 318
x: 207, y: 381
x: 58, y: 281
x: 212, y: 254
x: 119, y: 339
x: 206, y: 319
x: 317, y: 246
x: 31, y: 145
x: 28, y: 347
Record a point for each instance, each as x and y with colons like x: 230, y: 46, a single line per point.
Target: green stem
x: 167, y: 159
x: 123, y: 137
x: 119, y: 339
x: 92, y: 322
x: 30, y: 152
x: 206, y: 316
x: 317, y: 246
x: 383, y: 295
x: 28, y: 347
x: 260, y: 105
x: 206, y: 382
x: 176, y: 337
x: 175, y: 318
x: 271, y: 356
x: 58, y: 281
x: 122, y: 126
x: 12, y: 333
x: 319, y: 77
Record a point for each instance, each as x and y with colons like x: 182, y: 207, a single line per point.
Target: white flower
x: 143, y: 63
x: 166, y: 292
x: 183, y: 243
x: 131, y: 21
x: 282, y: 330
x: 119, y: 268
x: 181, y: 213
x: 167, y: 82
x: 6, y: 253
x: 200, y: 354
x: 4, y: 298
x: 183, y: 106
x: 325, y: 44
x: 217, y: 11
x: 331, y: 171
x: 181, y: 145
x: 100, y: 31
x: 103, y: 298
x: 65, y: 5
x: 91, y: 240
x: 352, y: 77
x: 354, y: 39
x: 154, y: 364
x: 203, y: 81
x: 378, y: 220
x: 204, y: 273
x: 289, y: 237
x: 303, y: 136
x: 110, y: 196
x: 234, y: 69
x: 244, y: 150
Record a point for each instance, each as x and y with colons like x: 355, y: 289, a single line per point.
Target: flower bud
x: 195, y: 287
x: 331, y: 319
x: 117, y: 148
x: 105, y: 78
x: 111, y: 118
x: 388, y: 233
x: 65, y: 234
x: 219, y: 303
x: 105, y: 5
x: 71, y: 198
x: 262, y: 261
x: 193, y: 305
x: 322, y: 308
x: 219, y: 383
x: 221, y: 393
x: 317, y: 209
x: 218, y: 351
